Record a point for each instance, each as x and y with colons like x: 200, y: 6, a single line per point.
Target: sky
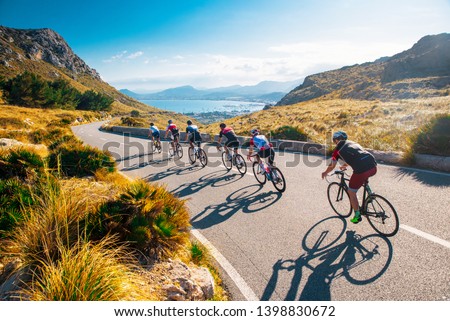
x: 151, y: 45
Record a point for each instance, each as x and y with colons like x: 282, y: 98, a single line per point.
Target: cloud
x: 135, y: 55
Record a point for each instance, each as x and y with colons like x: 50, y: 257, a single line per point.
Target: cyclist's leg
x: 356, y: 181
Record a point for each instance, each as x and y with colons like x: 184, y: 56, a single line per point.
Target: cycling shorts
x: 264, y: 153
x: 156, y: 134
x: 358, y: 179
x: 232, y: 144
x: 195, y: 137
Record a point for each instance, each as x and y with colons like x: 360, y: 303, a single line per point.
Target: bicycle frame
x: 367, y: 192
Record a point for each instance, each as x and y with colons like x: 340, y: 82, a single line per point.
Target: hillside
x: 420, y: 72
x: 45, y: 53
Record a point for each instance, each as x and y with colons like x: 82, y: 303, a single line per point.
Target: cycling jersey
x: 260, y: 142
x: 228, y: 132
x: 354, y: 155
x: 193, y: 133
x: 173, y: 128
x: 155, y: 131
x: 191, y: 129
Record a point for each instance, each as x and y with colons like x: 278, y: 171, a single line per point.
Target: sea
x: 207, y: 111
x: 206, y: 106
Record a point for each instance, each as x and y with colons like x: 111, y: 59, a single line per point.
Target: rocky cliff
x: 422, y: 71
x: 41, y: 44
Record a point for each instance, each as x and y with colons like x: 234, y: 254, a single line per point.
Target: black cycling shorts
x: 232, y: 144
x: 156, y: 134
x: 267, y: 153
x: 195, y: 137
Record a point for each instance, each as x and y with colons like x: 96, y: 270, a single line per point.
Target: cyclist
x: 175, y: 133
x: 232, y: 140
x: 361, y: 161
x: 193, y: 134
x: 154, y: 132
x: 263, y: 147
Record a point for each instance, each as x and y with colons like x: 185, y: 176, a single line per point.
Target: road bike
x: 199, y: 153
x: 156, y: 146
x: 231, y: 157
x: 178, y: 151
x: 263, y: 172
x: 379, y: 211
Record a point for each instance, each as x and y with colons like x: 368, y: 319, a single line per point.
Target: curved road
x: 291, y: 246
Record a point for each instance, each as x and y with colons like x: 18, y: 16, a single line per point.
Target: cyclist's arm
x: 329, y: 168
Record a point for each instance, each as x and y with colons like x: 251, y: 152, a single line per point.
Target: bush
x: 77, y: 160
x: 433, y: 138
x: 152, y: 219
x: 290, y: 133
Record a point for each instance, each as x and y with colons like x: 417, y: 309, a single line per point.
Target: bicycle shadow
x: 427, y: 178
x: 329, y: 255
x: 248, y: 199
x: 214, y: 179
x: 181, y: 169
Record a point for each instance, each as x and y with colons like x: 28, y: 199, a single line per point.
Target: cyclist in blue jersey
x: 263, y: 147
x: 193, y: 134
x: 154, y: 133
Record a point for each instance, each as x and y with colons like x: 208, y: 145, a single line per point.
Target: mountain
x: 45, y: 53
x: 265, y: 91
x: 420, y: 72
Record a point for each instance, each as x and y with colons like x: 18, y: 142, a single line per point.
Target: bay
x: 205, y: 106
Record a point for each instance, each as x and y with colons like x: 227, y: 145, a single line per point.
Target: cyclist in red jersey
x: 361, y: 161
x: 232, y: 140
x: 175, y: 133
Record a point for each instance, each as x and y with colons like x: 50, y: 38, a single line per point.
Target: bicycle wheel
x: 240, y: 164
x: 226, y: 160
x: 192, y: 155
x: 381, y: 215
x: 260, y: 175
x: 203, y: 158
x: 179, y: 150
x: 278, y: 179
x: 339, y: 199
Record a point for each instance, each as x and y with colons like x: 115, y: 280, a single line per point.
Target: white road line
x: 425, y: 235
x: 246, y: 291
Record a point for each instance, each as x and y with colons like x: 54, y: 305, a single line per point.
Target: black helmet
x: 189, y: 122
x: 170, y: 121
x: 222, y: 125
x: 151, y: 124
x: 340, y: 135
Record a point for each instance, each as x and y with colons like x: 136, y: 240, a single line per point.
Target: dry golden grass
x: 374, y: 124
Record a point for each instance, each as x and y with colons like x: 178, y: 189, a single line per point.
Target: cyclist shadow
x: 248, y: 199
x: 214, y: 179
x: 174, y: 170
x: 329, y: 255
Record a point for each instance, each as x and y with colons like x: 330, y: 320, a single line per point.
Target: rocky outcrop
x: 422, y: 71
x: 41, y: 44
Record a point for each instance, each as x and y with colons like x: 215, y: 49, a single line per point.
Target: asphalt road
x: 292, y: 246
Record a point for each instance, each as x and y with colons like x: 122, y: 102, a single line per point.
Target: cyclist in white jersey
x: 263, y: 147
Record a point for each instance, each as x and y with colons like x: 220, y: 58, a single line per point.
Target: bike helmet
x: 151, y: 124
x: 170, y: 121
x: 254, y: 131
x: 222, y: 125
x: 340, y: 135
x: 189, y: 122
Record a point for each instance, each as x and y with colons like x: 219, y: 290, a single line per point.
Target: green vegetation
x: 289, y: 132
x: 30, y: 90
x: 72, y: 227
x: 434, y: 137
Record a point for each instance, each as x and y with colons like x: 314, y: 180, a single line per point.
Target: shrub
x: 289, y: 132
x: 152, y: 219
x: 434, y: 137
x: 89, y: 272
x: 76, y: 160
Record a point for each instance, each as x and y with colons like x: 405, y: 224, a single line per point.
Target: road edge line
x: 425, y: 235
x: 246, y: 291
